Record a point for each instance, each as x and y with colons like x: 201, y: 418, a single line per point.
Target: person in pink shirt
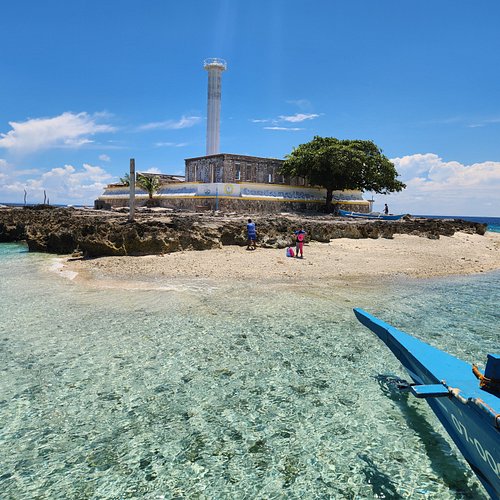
x: 300, y: 236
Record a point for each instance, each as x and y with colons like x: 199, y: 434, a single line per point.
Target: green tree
x: 150, y: 183
x: 342, y: 164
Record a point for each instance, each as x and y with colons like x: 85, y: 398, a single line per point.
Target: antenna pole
x: 131, y: 212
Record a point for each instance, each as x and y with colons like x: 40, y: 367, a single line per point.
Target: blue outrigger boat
x: 372, y: 215
x: 466, y: 402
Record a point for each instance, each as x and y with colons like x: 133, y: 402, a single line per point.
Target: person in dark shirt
x: 252, y: 235
x: 386, y: 209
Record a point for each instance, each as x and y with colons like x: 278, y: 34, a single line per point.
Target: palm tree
x: 150, y: 183
x: 125, y: 180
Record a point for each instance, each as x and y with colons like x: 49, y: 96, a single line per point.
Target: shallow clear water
x: 220, y: 390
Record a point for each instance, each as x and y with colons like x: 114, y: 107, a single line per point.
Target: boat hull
x: 470, y: 415
x: 359, y: 215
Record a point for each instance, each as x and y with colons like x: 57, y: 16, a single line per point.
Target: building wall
x: 238, y: 168
x: 231, y: 205
x: 240, y: 196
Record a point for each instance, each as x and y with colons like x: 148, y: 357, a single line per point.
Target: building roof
x: 231, y: 155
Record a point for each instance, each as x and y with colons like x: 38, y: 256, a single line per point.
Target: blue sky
x: 86, y: 85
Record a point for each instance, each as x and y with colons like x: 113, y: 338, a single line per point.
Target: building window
x: 218, y: 173
x: 270, y: 178
x: 249, y: 176
x: 237, y: 172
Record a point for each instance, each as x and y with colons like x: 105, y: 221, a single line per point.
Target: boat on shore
x: 371, y: 215
x: 466, y: 401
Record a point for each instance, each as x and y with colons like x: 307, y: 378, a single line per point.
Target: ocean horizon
x: 226, y: 390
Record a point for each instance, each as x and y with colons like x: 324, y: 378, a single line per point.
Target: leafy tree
x: 150, y: 183
x: 342, y: 164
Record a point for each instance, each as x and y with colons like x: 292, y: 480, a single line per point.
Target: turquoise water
x: 225, y: 390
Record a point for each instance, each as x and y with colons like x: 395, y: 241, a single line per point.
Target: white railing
x: 214, y: 61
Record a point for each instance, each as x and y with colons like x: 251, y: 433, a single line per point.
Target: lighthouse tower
x: 215, y: 67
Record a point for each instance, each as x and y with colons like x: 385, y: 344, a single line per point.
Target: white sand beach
x: 341, y: 259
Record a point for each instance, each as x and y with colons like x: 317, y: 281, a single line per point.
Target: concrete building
x: 234, y: 183
x: 226, y: 167
x: 217, y: 188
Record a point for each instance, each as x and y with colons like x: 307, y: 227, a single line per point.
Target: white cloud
x: 298, y: 117
x: 76, y: 143
x: 104, y: 157
x: 435, y: 186
x: 8, y: 171
x: 184, y: 122
x: 66, y: 184
x: 171, y: 144
x: 66, y: 130
x: 290, y: 129
x: 3, y: 171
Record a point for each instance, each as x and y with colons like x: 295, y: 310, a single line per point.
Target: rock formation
x: 97, y: 233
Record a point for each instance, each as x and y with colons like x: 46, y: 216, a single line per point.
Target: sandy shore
x: 341, y: 259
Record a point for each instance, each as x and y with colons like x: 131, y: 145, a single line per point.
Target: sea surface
x: 225, y: 390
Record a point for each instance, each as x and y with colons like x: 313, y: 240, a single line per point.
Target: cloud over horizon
x: 63, y: 185
x: 68, y: 130
x: 435, y: 186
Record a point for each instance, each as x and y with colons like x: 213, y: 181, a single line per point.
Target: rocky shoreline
x: 97, y: 233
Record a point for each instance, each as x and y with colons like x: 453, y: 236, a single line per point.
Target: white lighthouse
x: 215, y: 67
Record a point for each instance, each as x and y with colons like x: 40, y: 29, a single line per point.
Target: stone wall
x: 253, y: 206
x: 232, y: 205
x: 238, y: 168
x: 233, y: 197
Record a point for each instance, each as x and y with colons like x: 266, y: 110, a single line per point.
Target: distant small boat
x: 371, y: 215
x: 466, y: 402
